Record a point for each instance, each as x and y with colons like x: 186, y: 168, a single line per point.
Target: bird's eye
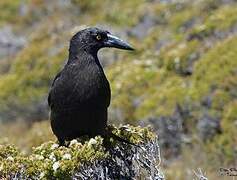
x: 98, y: 37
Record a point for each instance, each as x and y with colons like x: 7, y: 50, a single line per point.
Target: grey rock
x: 188, y: 25
x: 170, y: 130
x: 142, y: 28
x: 126, y: 163
x: 207, y: 101
x: 208, y: 127
x: 10, y: 43
x: 162, y: 42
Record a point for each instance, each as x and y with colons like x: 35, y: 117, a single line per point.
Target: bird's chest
x: 85, y: 86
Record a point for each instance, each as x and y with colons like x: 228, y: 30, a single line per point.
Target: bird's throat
x: 84, y: 58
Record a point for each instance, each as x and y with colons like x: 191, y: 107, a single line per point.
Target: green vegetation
x: 9, y: 10
x: 49, y: 161
x: 224, y: 145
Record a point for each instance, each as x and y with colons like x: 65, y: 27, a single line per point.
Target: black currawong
x: 80, y: 92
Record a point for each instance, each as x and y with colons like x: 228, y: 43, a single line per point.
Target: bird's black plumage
x: 80, y: 93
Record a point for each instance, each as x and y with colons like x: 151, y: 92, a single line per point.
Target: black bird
x: 80, y: 92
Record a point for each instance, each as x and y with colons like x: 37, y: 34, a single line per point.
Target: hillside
x: 181, y: 80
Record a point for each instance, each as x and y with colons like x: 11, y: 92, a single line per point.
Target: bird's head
x: 93, y: 39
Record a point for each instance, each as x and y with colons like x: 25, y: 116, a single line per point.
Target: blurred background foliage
x: 181, y: 80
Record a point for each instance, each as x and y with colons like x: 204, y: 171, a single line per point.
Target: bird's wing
x: 55, y: 79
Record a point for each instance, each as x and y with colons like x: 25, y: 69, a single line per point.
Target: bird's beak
x: 115, y: 42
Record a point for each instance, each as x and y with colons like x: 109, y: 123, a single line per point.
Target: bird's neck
x: 83, y: 57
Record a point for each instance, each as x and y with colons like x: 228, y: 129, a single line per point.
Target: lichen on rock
x: 87, y: 159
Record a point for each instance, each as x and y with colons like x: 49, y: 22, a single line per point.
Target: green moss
x: 220, y: 99
x: 10, y: 161
x: 119, y: 11
x: 224, y: 17
x: 8, y: 12
x: 182, y: 17
x: 60, y: 162
x: 221, y: 62
x: 124, y: 89
x: 177, y: 56
x: 223, y: 148
x: 110, y: 11
x: 163, y: 99
x: 136, y: 135
x: 88, y: 5
x: 221, y: 19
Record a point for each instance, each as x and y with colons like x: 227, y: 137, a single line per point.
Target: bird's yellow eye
x: 98, y: 37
